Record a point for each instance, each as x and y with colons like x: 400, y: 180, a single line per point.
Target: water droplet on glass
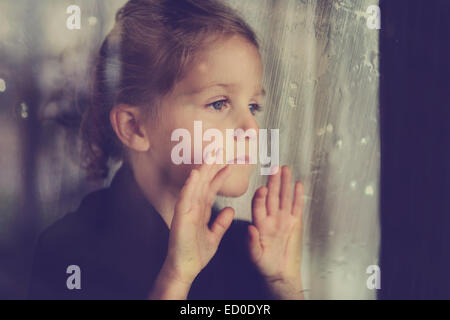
x: 2, y: 85
x: 23, y: 110
x: 92, y: 21
x: 369, y: 190
x: 320, y: 131
x: 294, y: 85
x: 330, y: 127
x: 292, y: 102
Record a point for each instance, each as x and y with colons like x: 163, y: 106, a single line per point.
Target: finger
x: 197, y: 198
x: 217, y: 175
x: 254, y: 245
x: 210, y: 162
x: 218, y: 181
x: 222, y: 223
x: 297, y: 209
x: 187, y: 193
x: 203, y: 186
x: 259, y: 211
x: 286, y: 189
x: 213, y: 181
x: 273, y: 195
x: 206, y: 167
x: 217, y: 165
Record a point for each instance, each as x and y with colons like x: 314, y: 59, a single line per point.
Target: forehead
x: 233, y: 61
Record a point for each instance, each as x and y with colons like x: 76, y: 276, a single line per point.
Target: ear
x: 127, y: 122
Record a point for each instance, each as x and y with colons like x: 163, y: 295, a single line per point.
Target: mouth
x: 239, y: 160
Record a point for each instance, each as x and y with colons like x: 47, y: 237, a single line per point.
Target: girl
x: 154, y: 233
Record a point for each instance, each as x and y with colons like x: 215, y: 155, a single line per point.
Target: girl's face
x: 222, y: 89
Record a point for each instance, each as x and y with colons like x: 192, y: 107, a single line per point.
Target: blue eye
x: 217, y: 105
x: 220, y: 104
x: 254, y: 107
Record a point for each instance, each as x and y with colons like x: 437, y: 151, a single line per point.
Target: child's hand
x: 192, y: 243
x: 275, y: 237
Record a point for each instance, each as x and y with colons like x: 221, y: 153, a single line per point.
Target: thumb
x: 222, y: 223
x: 254, y: 245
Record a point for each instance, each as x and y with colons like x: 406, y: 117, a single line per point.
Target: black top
x: 119, y: 241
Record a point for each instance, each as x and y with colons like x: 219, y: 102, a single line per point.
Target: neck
x: 157, y: 190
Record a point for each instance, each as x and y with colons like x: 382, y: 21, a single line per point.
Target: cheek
x: 199, y: 146
x: 178, y: 174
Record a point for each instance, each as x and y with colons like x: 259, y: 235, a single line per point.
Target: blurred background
x: 321, y: 64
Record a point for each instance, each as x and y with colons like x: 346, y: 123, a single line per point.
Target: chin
x: 233, y: 191
x: 237, y: 184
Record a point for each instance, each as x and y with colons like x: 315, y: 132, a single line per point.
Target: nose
x: 246, y: 121
x: 246, y: 134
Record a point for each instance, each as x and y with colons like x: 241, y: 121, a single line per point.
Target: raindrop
x: 23, y: 110
x: 294, y: 85
x: 292, y: 102
x: 92, y: 21
x: 369, y: 190
x: 2, y: 85
x: 330, y: 127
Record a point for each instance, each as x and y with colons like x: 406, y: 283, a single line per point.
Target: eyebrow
x: 224, y: 85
